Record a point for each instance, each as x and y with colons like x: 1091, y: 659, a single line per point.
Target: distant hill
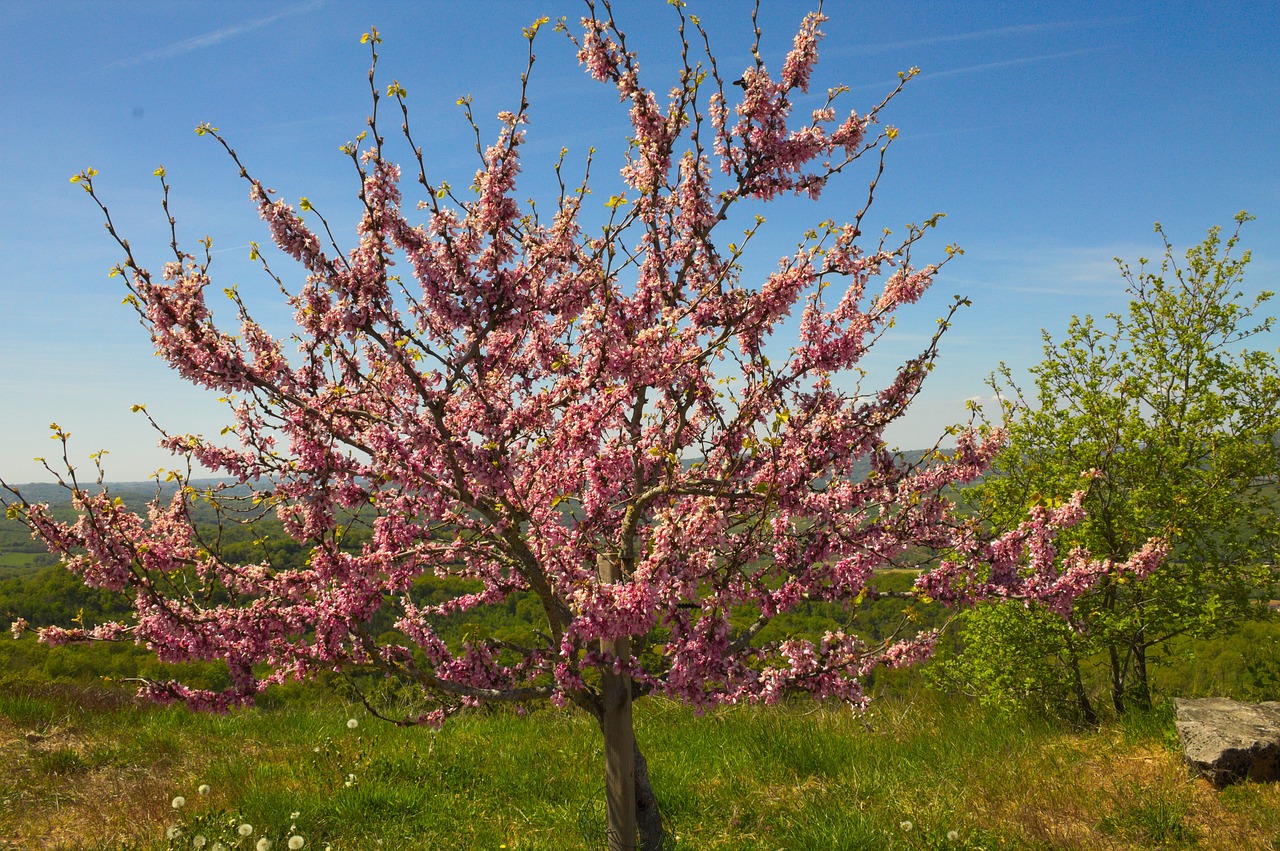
x: 133, y: 493
x: 20, y: 554
x: 137, y: 494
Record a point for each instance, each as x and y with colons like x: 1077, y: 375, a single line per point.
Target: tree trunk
x: 1117, y: 679
x: 619, y: 759
x: 648, y: 817
x: 1087, y: 713
x: 1141, y: 684
x: 631, y: 805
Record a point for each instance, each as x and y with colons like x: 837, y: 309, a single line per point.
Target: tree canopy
x: 1169, y: 420
x: 521, y: 398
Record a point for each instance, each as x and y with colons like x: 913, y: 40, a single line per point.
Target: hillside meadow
x: 88, y: 768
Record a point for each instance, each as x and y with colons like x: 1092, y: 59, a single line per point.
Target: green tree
x: 1170, y: 420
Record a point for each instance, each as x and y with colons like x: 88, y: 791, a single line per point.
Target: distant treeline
x: 35, y: 587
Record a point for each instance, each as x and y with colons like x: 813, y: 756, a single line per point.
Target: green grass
x: 87, y: 769
x: 18, y: 560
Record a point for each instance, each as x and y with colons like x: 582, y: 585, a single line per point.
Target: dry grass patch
x: 1095, y: 791
x: 63, y: 795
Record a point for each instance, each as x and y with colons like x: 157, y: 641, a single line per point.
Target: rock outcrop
x: 1228, y: 740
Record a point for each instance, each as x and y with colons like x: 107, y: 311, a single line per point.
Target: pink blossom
x: 804, y: 53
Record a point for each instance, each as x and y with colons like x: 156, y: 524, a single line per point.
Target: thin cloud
x: 987, y: 400
x: 977, y: 35
x: 209, y: 39
x: 1008, y: 63
x: 1067, y: 271
x: 1065, y: 290
x: 989, y: 66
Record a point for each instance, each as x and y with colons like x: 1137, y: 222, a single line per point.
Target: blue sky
x: 1052, y: 134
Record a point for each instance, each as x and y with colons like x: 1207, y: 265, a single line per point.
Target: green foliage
x: 52, y: 595
x: 94, y: 663
x: 1244, y: 663
x: 1169, y: 424
x: 1022, y: 662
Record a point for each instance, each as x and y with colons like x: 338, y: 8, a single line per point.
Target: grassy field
x: 87, y: 769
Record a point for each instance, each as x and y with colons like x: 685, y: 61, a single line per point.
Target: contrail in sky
x: 988, y: 66
x: 1018, y: 30
x: 1005, y: 63
x: 213, y: 37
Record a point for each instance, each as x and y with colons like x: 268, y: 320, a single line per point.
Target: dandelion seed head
x: 198, y: 841
x: 179, y: 802
x: 953, y: 835
x: 352, y: 723
x: 244, y: 829
x: 296, y: 842
x: 264, y: 844
x: 173, y: 832
x: 906, y: 825
x: 203, y: 789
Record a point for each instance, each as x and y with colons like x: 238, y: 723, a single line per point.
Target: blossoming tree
x: 581, y: 413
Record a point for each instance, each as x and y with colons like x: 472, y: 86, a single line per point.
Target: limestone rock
x: 1228, y: 740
